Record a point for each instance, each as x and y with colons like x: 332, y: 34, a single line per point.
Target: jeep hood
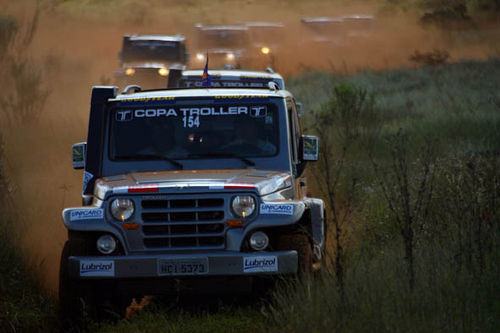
x: 190, y: 181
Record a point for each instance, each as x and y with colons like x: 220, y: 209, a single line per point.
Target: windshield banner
x: 191, y: 115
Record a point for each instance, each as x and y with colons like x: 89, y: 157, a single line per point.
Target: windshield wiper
x: 159, y: 157
x: 230, y: 155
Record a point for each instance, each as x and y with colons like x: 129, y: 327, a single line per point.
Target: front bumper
x: 218, y: 264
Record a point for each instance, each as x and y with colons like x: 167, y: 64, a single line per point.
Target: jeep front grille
x: 183, y: 223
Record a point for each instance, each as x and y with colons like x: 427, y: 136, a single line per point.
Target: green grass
x: 455, y: 109
x: 377, y: 299
x: 162, y: 318
x: 457, y: 104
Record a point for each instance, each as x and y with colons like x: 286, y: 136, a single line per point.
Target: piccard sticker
x: 260, y: 264
x: 86, y: 214
x: 97, y: 268
x: 276, y: 208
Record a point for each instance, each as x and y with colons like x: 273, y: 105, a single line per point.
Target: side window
x: 292, y: 131
x: 296, y: 123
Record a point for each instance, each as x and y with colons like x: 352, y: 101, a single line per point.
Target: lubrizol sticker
x: 86, y: 214
x: 97, y: 268
x: 260, y: 264
x: 276, y: 208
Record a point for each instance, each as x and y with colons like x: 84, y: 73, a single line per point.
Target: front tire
x: 81, y: 301
x: 72, y: 300
x: 302, y: 244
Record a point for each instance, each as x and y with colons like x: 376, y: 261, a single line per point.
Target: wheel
x: 81, y: 301
x: 302, y: 244
x: 72, y: 300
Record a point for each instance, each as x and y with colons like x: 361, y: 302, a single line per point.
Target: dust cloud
x: 76, y: 45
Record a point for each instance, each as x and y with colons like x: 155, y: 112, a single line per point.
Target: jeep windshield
x: 223, y: 38
x: 267, y: 34
x: 151, y: 50
x: 195, y: 131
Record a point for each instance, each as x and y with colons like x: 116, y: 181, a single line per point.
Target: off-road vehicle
x: 335, y: 32
x: 146, y: 59
x: 188, y: 190
x: 224, y: 44
x: 266, y: 43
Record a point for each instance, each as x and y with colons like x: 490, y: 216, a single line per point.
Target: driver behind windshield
x: 248, y: 140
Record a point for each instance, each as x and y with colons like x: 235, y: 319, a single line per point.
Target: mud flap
x: 316, y: 208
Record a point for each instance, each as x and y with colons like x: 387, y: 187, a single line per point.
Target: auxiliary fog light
x: 129, y: 71
x: 122, y: 209
x: 259, y: 241
x: 106, y: 244
x: 163, y: 71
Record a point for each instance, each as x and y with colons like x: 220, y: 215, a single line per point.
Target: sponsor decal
x: 276, y: 208
x: 241, y: 97
x: 97, y: 268
x: 260, y: 264
x: 224, y: 84
x: 191, y: 116
x: 258, y: 111
x: 146, y: 100
x: 123, y: 115
x: 149, y: 99
x: 86, y: 214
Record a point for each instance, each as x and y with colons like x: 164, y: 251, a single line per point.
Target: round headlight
x: 265, y: 50
x: 106, y: 244
x: 122, y: 209
x: 230, y: 56
x: 243, y: 205
x: 129, y: 71
x: 259, y: 241
x: 163, y: 71
x: 200, y: 56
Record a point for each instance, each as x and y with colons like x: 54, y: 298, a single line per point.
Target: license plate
x: 197, y: 266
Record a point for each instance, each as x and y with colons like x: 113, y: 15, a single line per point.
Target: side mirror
x: 299, y: 109
x: 78, y: 155
x: 310, y: 148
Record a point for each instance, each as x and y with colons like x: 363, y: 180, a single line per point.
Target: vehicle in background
x: 357, y: 27
x: 230, y: 78
x: 332, y: 32
x: 145, y: 60
x: 224, y: 44
x: 267, y: 42
x: 324, y: 32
